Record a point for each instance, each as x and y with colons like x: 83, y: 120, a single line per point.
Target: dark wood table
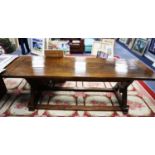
x: 76, y: 69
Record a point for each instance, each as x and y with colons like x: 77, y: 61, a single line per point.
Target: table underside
x: 40, y: 85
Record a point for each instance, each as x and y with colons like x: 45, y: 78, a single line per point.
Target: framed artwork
x: 102, y: 55
x: 37, y: 46
x: 139, y: 46
x: 95, y: 47
x: 107, y: 46
x: 152, y: 46
x: 130, y: 42
x: 123, y: 40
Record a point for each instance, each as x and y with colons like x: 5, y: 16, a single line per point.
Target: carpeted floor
x: 16, y: 101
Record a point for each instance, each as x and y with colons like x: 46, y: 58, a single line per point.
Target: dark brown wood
x: 36, y: 86
x: 121, y: 94
x: 78, y: 69
x: 76, y: 48
x: 3, y: 89
x: 79, y: 107
x: 77, y: 89
x: 35, y: 95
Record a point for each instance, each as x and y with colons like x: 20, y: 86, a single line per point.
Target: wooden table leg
x: 35, y: 95
x: 121, y: 93
x: 37, y: 86
x: 3, y: 89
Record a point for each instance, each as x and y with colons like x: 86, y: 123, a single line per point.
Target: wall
x: 149, y: 55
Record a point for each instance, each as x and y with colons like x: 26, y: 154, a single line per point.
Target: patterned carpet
x: 15, y: 102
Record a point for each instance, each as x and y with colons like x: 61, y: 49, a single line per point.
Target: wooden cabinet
x: 77, y: 46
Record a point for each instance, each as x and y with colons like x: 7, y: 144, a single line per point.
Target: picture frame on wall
x: 152, y: 46
x: 139, y: 46
x: 37, y: 46
x: 123, y: 40
x: 130, y: 42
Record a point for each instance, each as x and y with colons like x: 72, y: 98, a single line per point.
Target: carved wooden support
x: 120, y: 90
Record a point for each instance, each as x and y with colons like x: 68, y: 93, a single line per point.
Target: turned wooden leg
x: 3, y: 89
x: 121, y: 93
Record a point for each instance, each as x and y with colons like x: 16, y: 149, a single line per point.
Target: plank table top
x: 78, y: 68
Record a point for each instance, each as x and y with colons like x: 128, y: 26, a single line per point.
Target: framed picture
x: 123, y: 40
x: 152, y: 46
x: 37, y: 46
x: 95, y: 47
x: 139, y: 46
x: 107, y: 46
x: 130, y: 42
x: 101, y: 54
